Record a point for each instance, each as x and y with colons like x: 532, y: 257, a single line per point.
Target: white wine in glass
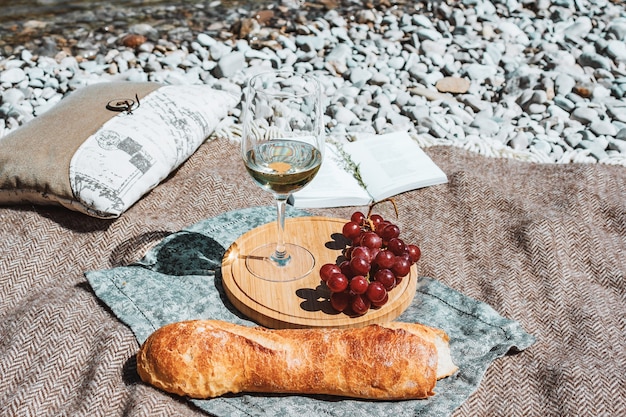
x: 282, y: 149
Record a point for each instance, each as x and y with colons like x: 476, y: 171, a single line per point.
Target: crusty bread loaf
x: 208, y: 358
x: 445, y: 365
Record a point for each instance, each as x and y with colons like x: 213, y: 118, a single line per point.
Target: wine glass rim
x: 285, y: 74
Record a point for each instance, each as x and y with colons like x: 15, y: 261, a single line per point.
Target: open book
x: 370, y: 169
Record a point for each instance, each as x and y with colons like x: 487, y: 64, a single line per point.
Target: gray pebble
x: 596, y: 150
x: 519, y: 142
x: 343, y: 115
x: 541, y: 146
x: 206, y: 40
x: 564, y: 83
x: 616, y: 50
x: 617, y: 145
x: 13, y: 76
x: 617, y: 112
x: 485, y: 124
x: 573, y: 139
x: 229, y: 64
x: 12, y: 97
x: 617, y: 28
x: 594, y: 60
x: 580, y: 28
x: 338, y: 57
x: 603, y: 127
x: 584, y: 115
x: 359, y: 76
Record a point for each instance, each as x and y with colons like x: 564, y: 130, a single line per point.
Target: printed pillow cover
x: 105, y: 145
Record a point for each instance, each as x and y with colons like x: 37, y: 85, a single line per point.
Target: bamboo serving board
x: 304, y: 302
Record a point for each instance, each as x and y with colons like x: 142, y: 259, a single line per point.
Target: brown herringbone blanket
x: 544, y: 245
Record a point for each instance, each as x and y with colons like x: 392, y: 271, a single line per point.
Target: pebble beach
x: 535, y: 80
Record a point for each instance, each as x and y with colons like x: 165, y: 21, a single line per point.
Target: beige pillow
x: 105, y: 145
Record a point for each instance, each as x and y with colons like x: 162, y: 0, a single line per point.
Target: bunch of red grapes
x: 373, y: 264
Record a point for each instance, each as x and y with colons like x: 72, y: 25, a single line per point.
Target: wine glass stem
x: 280, y: 256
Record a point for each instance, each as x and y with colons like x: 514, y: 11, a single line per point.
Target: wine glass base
x: 259, y: 263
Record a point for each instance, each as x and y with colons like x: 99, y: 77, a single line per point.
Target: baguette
x: 209, y: 358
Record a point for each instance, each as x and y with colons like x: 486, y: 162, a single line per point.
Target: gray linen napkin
x: 179, y: 279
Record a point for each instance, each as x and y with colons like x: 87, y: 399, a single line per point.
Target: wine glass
x: 282, y: 149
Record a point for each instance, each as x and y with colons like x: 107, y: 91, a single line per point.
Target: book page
x: 393, y: 163
x: 333, y: 186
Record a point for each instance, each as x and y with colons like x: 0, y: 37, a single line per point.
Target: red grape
x: 386, y: 277
x: 376, y: 220
x: 389, y: 232
x: 339, y: 300
x: 359, y: 284
x: 385, y: 259
x: 337, y: 283
x: 406, y: 256
x: 360, y: 266
x: 360, y: 305
x: 351, y: 230
x: 371, y: 240
x: 382, y: 226
x: 357, y: 217
x: 401, y: 267
x: 376, y: 292
x: 361, y: 252
x: 382, y: 302
x: 327, y: 270
x: 345, y: 269
x: 397, y: 246
x: 414, y: 253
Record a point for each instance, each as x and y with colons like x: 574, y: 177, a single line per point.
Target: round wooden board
x: 304, y: 302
